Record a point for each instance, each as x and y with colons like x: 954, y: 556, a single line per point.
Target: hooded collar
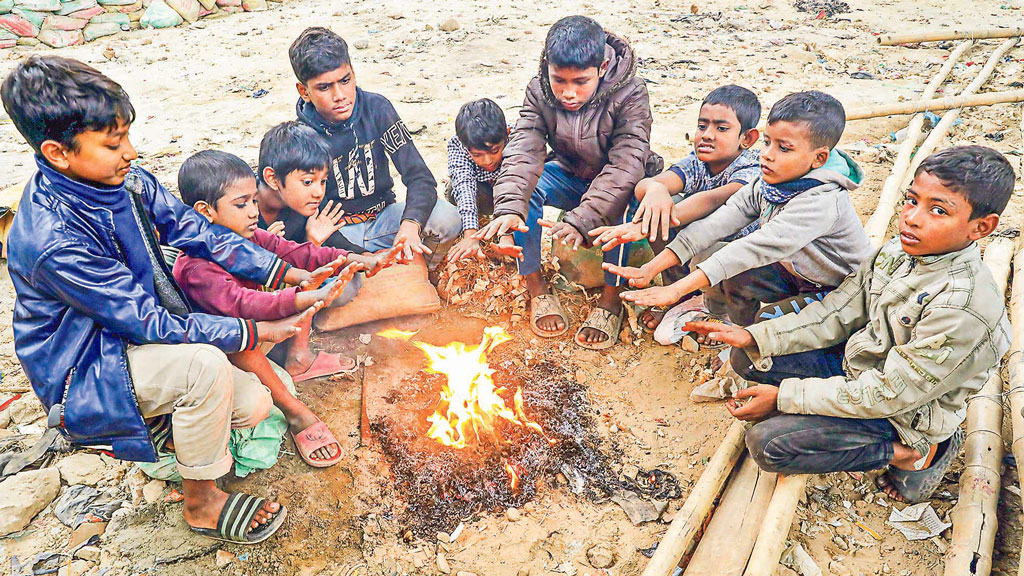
x: 308, y: 114
x: 622, y: 64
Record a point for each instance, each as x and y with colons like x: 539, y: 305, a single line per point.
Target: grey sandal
x: 918, y: 485
x: 605, y: 322
x: 235, y: 520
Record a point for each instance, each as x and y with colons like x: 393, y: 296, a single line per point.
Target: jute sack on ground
x: 400, y: 290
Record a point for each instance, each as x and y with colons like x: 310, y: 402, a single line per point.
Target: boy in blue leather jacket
x: 101, y: 330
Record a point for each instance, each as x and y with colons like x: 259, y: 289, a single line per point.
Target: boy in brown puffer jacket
x: 590, y: 107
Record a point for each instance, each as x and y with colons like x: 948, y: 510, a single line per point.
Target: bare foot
x: 299, y: 418
x: 299, y: 361
x: 652, y: 317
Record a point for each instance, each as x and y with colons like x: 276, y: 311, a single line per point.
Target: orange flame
x: 513, y: 477
x: 469, y: 403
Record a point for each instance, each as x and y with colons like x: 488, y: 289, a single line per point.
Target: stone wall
x: 60, y: 23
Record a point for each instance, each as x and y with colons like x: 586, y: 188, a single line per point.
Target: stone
x: 5, y: 415
x: 449, y: 25
x: 224, y: 558
x: 442, y: 564
x: 88, y: 553
x: 188, y: 9
x: 55, y: 38
x: 361, y: 44
x: 160, y: 15
x: 76, y: 568
x: 24, y: 495
x: 254, y: 5
x: 66, y: 8
x: 601, y: 556
x: 444, y: 537
x: 513, y: 515
x: 39, y: 5
x: 82, y: 468
x: 153, y: 490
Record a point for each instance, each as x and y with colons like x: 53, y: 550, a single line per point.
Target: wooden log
x: 725, y: 547
x: 974, y: 516
x: 878, y: 223
x: 936, y: 104
x: 1015, y: 364
x: 778, y: 519
x: 941, y: 35
x: 682, y: 533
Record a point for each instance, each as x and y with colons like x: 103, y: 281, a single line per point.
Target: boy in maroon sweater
x: 222, y: 187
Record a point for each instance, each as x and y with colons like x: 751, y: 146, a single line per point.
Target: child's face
x: 936, y: 220
x: 101, y: 156
x: 719, y: 138
x: 333, y: 93
x: 574, y: 87
x: 488, y: 159
x: 788, y: 152
x: 303, y: 190
x: 235, y: 209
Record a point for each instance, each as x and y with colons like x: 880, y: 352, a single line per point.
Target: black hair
x: 738, y: 99
x: 980, y: 174
x: 55, y: 98
x: 292, y: 146
x: 823, y: 115
x: 316, y: 51
x: 481, y: 124
x: 575, y: 42
x: 205, y: 175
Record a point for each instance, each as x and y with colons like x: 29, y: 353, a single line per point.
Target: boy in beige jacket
x: 879, y: 372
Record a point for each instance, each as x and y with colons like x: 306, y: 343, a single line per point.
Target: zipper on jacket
x: 55, y: 417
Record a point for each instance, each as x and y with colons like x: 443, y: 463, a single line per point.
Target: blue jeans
x: 559, y: 188
x: 810, y: 444
x: 441, y: 229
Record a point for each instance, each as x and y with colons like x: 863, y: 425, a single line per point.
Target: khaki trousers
x: 206, y: 397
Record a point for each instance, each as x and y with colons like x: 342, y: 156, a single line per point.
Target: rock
x: 153, y: 490
x: 88, y: 553
x: 23, y: 495
x: 160, y: 15
x: 444, y: 537
x: 76, y: 568
x: 449, y: 25
x: 60, y: 38
x: 601, y: 556
x: 361, y: 44
x: 513, y: 515
x: 442, y: 564
x: 5, y: 415
x: 224, y: 558
x: 26, y: 409
x: 82, y: 468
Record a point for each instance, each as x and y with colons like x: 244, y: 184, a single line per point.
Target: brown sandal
x: 547, y: 305
x: 603, y: 321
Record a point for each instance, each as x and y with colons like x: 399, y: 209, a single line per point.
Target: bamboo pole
x: 937, y: 104
x: 1016, y: 372
x: 878, y: 224
x: 681, y: 534
x: 974, y: 516
x: 941, y: 35
x: 778, y: 519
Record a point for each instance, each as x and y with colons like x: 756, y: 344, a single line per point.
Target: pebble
x: 449, y: 25
x: 88, y: 553
x: 24, y: 495
x: 153, y: 490
x: 442, y: 564
x: 841, y: 543
x: 76, y: 568
x: 464, y: 573
x: 224, y: 558
x: 513, y: 515
x: 601, y: 556
x: 444, y: 537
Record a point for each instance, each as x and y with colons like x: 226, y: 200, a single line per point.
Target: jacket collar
x: 622, y: 63
x: 91, y: 201
x: 308, y: 114
x: 939, y: 261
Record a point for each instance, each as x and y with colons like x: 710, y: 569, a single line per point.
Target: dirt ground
x: 196, y: 87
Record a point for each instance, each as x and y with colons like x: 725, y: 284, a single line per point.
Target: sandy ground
x: 193, y: 89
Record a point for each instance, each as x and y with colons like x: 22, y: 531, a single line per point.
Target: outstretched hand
x: 638, y: 277
x: 500, y: 226
x: 325, y: 222
x: 654, y: 215
x: 506, y: 246
x: 656, y: 296
x: 754, y: 403
x: 609, y: 237
x: 281, y: 330
x: 734, y: 336
x: 563, y: 232
x: 316, y: 278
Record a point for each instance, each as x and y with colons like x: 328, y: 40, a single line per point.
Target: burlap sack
x: 400, y: 290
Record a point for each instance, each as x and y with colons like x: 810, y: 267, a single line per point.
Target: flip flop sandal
x: 689, y: 342
x: 235, y: 519
x: 918, y: 485
x: 313, y: 438
x: 547, y: 305
x: 326, y: 364
x: 656, y: 312
x: 605, y: 322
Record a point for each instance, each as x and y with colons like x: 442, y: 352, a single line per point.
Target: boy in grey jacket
x: 878, y: 373
x: 808, y: 235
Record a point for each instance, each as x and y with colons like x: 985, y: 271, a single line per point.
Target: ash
x: 443, y: 486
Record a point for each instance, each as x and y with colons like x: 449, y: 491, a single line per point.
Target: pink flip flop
x: 326, y: 364
x: 315, y: 437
